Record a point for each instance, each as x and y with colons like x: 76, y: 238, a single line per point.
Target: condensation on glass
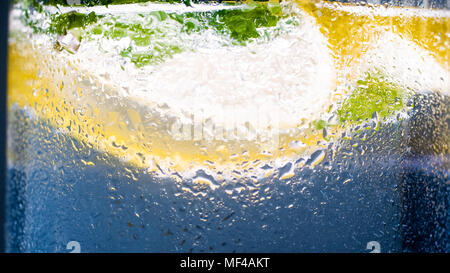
x: 300, y: 126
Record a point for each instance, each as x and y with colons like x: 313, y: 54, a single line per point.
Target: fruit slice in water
x: 170, y: 90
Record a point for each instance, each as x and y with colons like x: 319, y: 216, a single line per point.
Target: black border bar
x: 4, y: 8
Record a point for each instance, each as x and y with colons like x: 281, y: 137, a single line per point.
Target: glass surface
x: 184, y: 126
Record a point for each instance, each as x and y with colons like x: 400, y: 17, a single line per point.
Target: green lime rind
x: 158, y: 35
x: 240, y: 24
